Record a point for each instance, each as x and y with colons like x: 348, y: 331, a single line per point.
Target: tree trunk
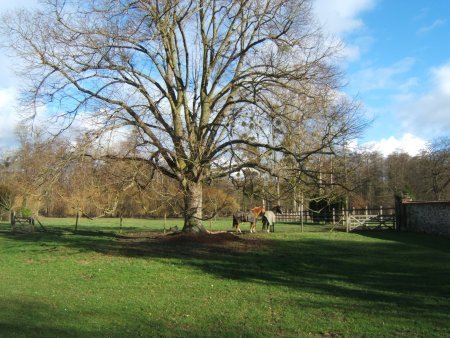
x: 193, y: 201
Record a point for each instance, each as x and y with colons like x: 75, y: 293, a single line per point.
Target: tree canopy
x: 205, y: 88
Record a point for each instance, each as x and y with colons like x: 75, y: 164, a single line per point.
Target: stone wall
x: 428, y: 217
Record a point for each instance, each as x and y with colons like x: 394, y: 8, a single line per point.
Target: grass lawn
x: 104, y: 281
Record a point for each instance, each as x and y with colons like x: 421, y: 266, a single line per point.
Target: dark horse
x: 269, y: 218
x: 247, y: 216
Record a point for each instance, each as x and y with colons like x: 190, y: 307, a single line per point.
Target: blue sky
x: 396, y: 60
x: 397, y: 64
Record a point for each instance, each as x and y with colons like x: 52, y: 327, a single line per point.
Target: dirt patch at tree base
x: 180, y: 243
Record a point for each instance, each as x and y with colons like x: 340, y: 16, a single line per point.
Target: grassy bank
x: 99, y: 282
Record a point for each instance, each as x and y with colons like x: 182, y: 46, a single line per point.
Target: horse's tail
x: 235, y: 220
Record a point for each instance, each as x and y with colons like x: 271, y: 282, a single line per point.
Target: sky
x: 396, y: 61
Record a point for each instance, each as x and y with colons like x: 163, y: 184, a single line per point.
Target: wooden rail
x: 369, y: 222
x: 350, y: 220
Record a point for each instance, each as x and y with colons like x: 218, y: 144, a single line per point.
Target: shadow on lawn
x: 33, y: 318
x: 407, y: 273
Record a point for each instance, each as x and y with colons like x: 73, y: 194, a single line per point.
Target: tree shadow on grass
x: 371, y: 272
x: 31, y: 318
x: 38, y: 318
x: 433, y: 242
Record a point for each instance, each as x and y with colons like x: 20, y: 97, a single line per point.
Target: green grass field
x: 104, y: 281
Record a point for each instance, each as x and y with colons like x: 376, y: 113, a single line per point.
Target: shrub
x: 26, y: 212
x: 6, y: 198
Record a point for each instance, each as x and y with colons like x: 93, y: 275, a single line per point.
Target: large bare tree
x: 202, y: 82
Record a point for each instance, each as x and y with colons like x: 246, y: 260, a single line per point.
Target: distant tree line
x: 377, y: 179
x: 51, y: 178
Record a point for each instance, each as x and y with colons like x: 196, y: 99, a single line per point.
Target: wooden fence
x: 334, y: 216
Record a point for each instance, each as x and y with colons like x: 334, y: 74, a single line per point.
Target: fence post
x: 76, y: 220
x: 165, y: 222
x: 334, y: 216
x: 13, y: 218
x: 347, y: 220
x: 398, y: 213
x: 301, y: 215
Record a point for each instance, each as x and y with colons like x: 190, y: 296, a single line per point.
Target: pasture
x: 104, y: 281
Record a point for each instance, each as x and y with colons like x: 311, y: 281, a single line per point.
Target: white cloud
x: 10, y: 5
x: 423, y: 13
x: 341, y: 17
x: 8, y: 116
x: 9, y: 83
x: 441, y: 78
x: 351, y: 52
x: 429, y: 28
x: 374, y: 78
x: 428, y: 114
x: 407, y: 143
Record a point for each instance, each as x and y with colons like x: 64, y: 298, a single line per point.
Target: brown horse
x: 247, y: 216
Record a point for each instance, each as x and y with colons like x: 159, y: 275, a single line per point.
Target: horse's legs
x: 238, y: 229
x: 266, y: 225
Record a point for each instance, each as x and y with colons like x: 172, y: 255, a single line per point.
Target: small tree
x: 437, y: 173
x: 6, y: 199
